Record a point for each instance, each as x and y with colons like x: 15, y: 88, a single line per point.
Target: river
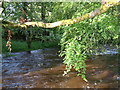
x: 43, y: 68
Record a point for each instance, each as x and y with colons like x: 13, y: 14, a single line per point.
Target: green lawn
x: 18, y: 45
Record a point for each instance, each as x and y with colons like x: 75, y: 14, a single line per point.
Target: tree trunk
x: 28, y: 35
x: 42, y: 11
x: 43, y: 18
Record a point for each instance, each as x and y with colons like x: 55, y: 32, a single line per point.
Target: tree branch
x: 2, y: 8
x: 101, y: 10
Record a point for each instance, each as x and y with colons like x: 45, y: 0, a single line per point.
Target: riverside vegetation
x: 78, y: 39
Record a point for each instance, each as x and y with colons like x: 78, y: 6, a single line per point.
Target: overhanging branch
x: 92, y: 14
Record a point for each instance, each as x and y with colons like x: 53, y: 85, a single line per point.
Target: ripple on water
x: 43, y: 68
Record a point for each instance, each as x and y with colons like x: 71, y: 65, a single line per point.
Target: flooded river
x: 43, y: 68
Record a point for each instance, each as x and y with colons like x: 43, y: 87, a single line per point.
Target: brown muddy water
x: 43, y: 68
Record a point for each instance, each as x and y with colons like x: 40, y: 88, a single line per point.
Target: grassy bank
x: 18, y: 45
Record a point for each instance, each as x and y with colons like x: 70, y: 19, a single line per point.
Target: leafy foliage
x: 83, y: 39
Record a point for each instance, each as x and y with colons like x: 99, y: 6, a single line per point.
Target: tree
x: 81, y: 39
x: 92, y: 14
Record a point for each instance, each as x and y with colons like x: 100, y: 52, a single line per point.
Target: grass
x: 18, y: 45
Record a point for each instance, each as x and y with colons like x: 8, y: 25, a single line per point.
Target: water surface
x: 43, y: 68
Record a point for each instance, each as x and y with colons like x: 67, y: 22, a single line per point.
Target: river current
x: 43, y: 68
